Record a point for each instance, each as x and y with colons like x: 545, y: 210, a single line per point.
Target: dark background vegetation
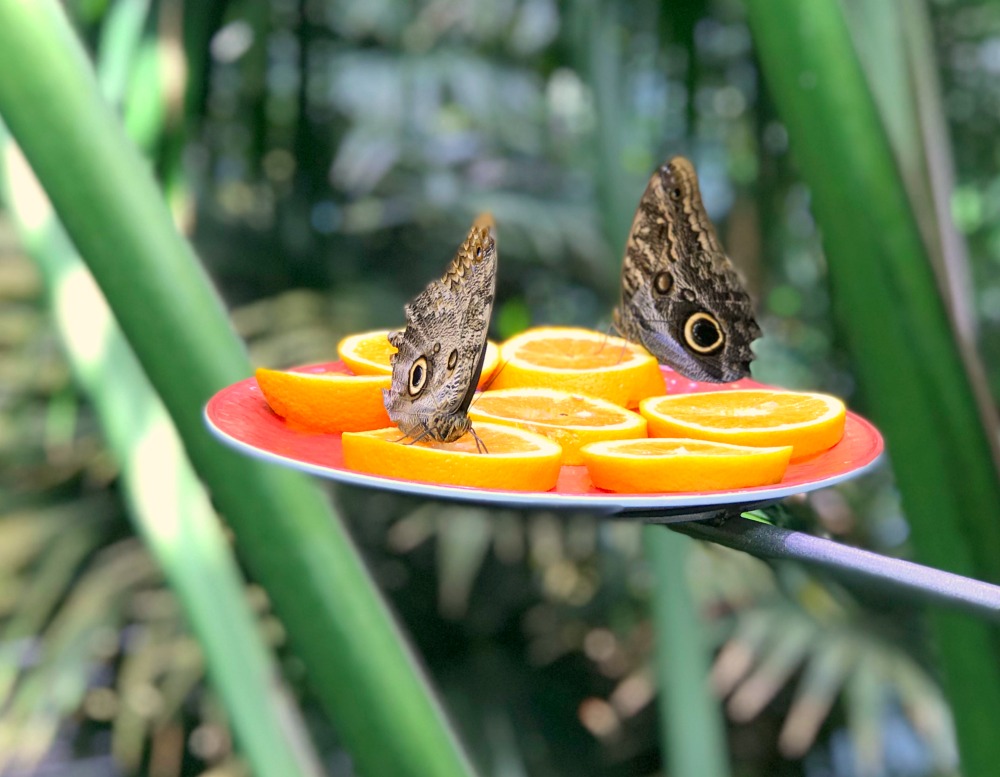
x: 326, y: 159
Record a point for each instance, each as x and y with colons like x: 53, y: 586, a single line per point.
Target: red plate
x: 239, y: 416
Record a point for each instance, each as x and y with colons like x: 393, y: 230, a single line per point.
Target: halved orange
x: 326, y: 402
x: 514, y: 459
x: 368, y: 353
x: 671, y: 465
x: 579, y: 360
x: 809, y: 422
x: 572, y: 420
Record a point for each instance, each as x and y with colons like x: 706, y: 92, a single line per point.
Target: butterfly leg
x: 424, y: 433
x: 480, y: 445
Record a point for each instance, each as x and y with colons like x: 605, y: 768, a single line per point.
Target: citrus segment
x: 326, y: 402
x: 490, y: 363
x: 368, y: 353
x: 580, y: 361
x: 513, y: 460
x: 572, y: 420
x: 672, y: 465
x: 809, y: 422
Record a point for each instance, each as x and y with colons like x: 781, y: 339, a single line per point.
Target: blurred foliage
x: 328, y: 166
x: 96, y: 664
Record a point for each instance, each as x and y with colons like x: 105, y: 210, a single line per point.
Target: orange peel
x: 685, y: 465
x: 326, y: 402
x: 809, y: 422
x: 513, y: 460
x: 579, y: 361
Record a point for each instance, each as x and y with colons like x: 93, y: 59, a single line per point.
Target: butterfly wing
x: 681, y: 297
x: 440, y: 353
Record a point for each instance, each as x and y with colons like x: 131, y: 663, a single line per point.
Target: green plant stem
x: 898, y: 332
x: 121, y: 38
x: 690, y: 719
x: 170, y: 509
x: 356, y: 659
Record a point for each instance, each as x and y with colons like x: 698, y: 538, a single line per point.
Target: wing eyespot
x: 703, y: 334
x: 453, y: 359
x: 663, y: 282
x: 418, y: 376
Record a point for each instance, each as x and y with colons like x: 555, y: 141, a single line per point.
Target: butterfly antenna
x: 621, y: 354
x: 496, y: 374
x: 607, y: 336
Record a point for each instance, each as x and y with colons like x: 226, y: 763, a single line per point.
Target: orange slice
x: 810, y: 423
x: 579, y: 361
x: 658, y: 465
x: 368, y: 353
x: 572, y: 420
x: 326, y: 402
x: 514, y: 460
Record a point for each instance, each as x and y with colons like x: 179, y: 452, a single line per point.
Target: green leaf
x: 886, y: 300
x: 692, y: 725
x: 356, y: 659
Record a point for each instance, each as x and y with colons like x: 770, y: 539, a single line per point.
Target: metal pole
x: 850, y: 565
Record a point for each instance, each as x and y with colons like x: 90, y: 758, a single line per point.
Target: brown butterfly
x: 681, y: 297
x: 440, y: 353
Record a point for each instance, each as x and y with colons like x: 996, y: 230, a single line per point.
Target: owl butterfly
x: 440, y: 354
x: 681, y: 297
